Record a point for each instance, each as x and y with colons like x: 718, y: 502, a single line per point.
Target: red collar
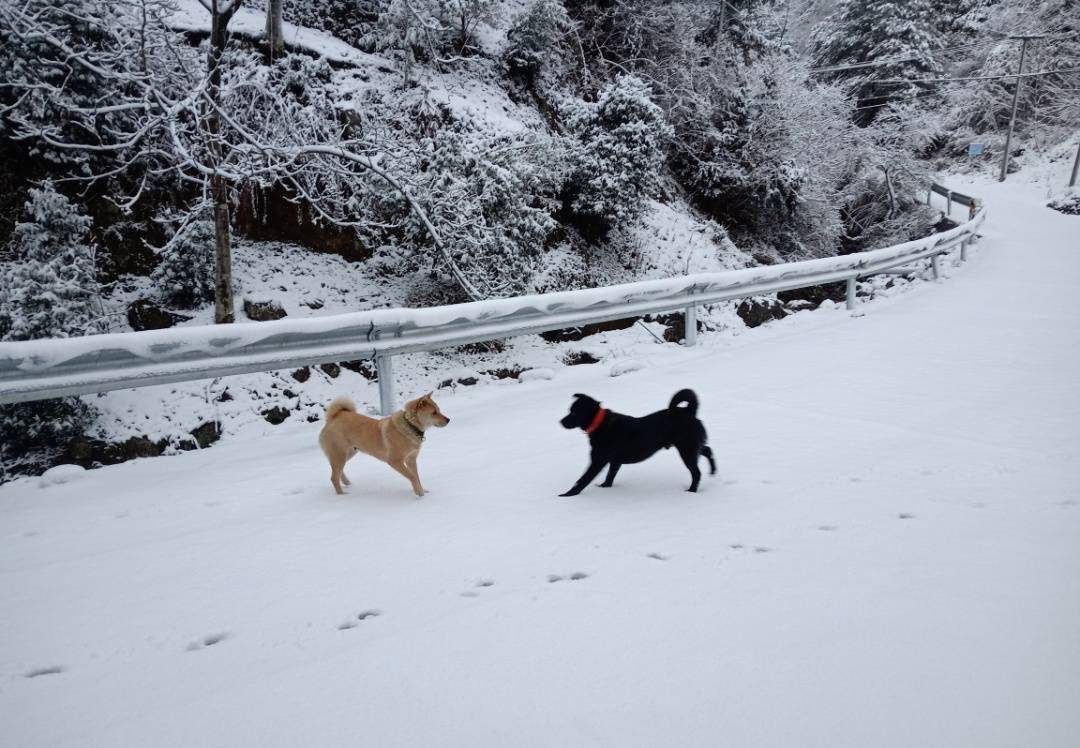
x: 596, y: 421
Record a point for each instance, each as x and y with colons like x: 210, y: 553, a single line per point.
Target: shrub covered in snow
x: 348, y: 20
x: 617, y: 150
x: 534, y: 33
x: 49, y: 289
x: 490, y: 200
x: 185, y: 275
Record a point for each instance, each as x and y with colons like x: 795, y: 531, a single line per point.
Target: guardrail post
x: 929, y: 194
x: 948, y: 204
x: 850, y: 300
x: 963, y: 249
x: 690, y: 322
x: 935, y: 265
x: 384, y: 366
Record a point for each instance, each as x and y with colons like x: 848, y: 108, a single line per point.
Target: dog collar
x: 596, y: 421
x: 409, y: 428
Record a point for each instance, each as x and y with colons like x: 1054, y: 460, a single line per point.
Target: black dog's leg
x: 613, y: 468
x: 707, y: 451
x: 689, y: 457
x: 587, y: 477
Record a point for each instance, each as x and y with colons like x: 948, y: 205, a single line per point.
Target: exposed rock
x: 944, y: 224
x: 755, y: 313
x: 575, y: 358
x: 144, y: 314
x: 361, y: 366
x: 512, y: 372
x: 467, y: 381
x: 263, y: 311
x: 674, y: 326
x: 569, y: 334
x: 332, y: 370
x: 276, y: 415
x: 302, y: 374
x: 93, y: 452
x: 206, y: 434
x: 815, y: 294
x: 1067, y: 204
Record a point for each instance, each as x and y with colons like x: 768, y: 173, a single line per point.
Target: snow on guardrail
x: 39, y: 369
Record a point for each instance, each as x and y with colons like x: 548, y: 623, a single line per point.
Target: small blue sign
x: 975, y: 149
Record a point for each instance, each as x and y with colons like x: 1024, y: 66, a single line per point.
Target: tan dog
x: 395, y: 439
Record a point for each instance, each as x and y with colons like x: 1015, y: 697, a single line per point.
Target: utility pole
x: 1016, y: 100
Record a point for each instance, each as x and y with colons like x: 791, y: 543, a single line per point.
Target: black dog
x: 617, y: 440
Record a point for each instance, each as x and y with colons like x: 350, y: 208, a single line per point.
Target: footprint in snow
x: 762, y: 549
x: 906, y: 516
x: 572, y: 577
x: 351, y: 623
x: 479, y: 583
x: 207, y: 641
x: 827, y: 528
x: 657, y: 556
x: 736, y: 546
x: 54, y: 670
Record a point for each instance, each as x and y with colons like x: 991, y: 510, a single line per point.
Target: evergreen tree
x: 901, y: 31
x: 619, y: 149
x: 534, y: 32
x: 48, y: 290
x: 185, y: 275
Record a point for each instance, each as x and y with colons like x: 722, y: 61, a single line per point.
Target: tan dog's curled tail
x: 339, y: 404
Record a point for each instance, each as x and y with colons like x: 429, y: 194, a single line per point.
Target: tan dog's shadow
x: 395, y: 439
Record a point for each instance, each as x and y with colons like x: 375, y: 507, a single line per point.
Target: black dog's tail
x: 706, y: 451
x: 685, y: 396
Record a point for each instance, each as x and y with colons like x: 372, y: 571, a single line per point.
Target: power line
x: 908, y: 58
x: 899, y: 81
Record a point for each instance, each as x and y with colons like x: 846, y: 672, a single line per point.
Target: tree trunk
x: 223, y: 286
x: 275, y: 35
x: 223, y: 291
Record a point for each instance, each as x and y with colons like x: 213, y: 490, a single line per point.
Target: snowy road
x: 890, y: 555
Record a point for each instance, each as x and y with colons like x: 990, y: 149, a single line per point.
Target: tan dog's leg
x: 410, y: 463
x: 337, y: 467
x: 403, y: 468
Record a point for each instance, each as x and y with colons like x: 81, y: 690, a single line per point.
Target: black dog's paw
x: 571, y: 492
x: 605, y: 485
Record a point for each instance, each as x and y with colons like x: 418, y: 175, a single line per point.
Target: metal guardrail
x: 950, y: 197
x: 41, y: 369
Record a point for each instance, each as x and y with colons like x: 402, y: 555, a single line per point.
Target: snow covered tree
x: 902, y: 32
x: 348, y: 20
x: 493, y: 200
x: 185, y: 275
x: 618, y: 149
x: 533, y: 34
x: 48, y: 290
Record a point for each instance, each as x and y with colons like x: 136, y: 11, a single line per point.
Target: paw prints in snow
x: 351, y: 623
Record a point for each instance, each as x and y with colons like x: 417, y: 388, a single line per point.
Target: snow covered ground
x: 889, y: 555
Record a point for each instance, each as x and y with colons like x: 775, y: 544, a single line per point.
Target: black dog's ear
x: 579, y: 396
